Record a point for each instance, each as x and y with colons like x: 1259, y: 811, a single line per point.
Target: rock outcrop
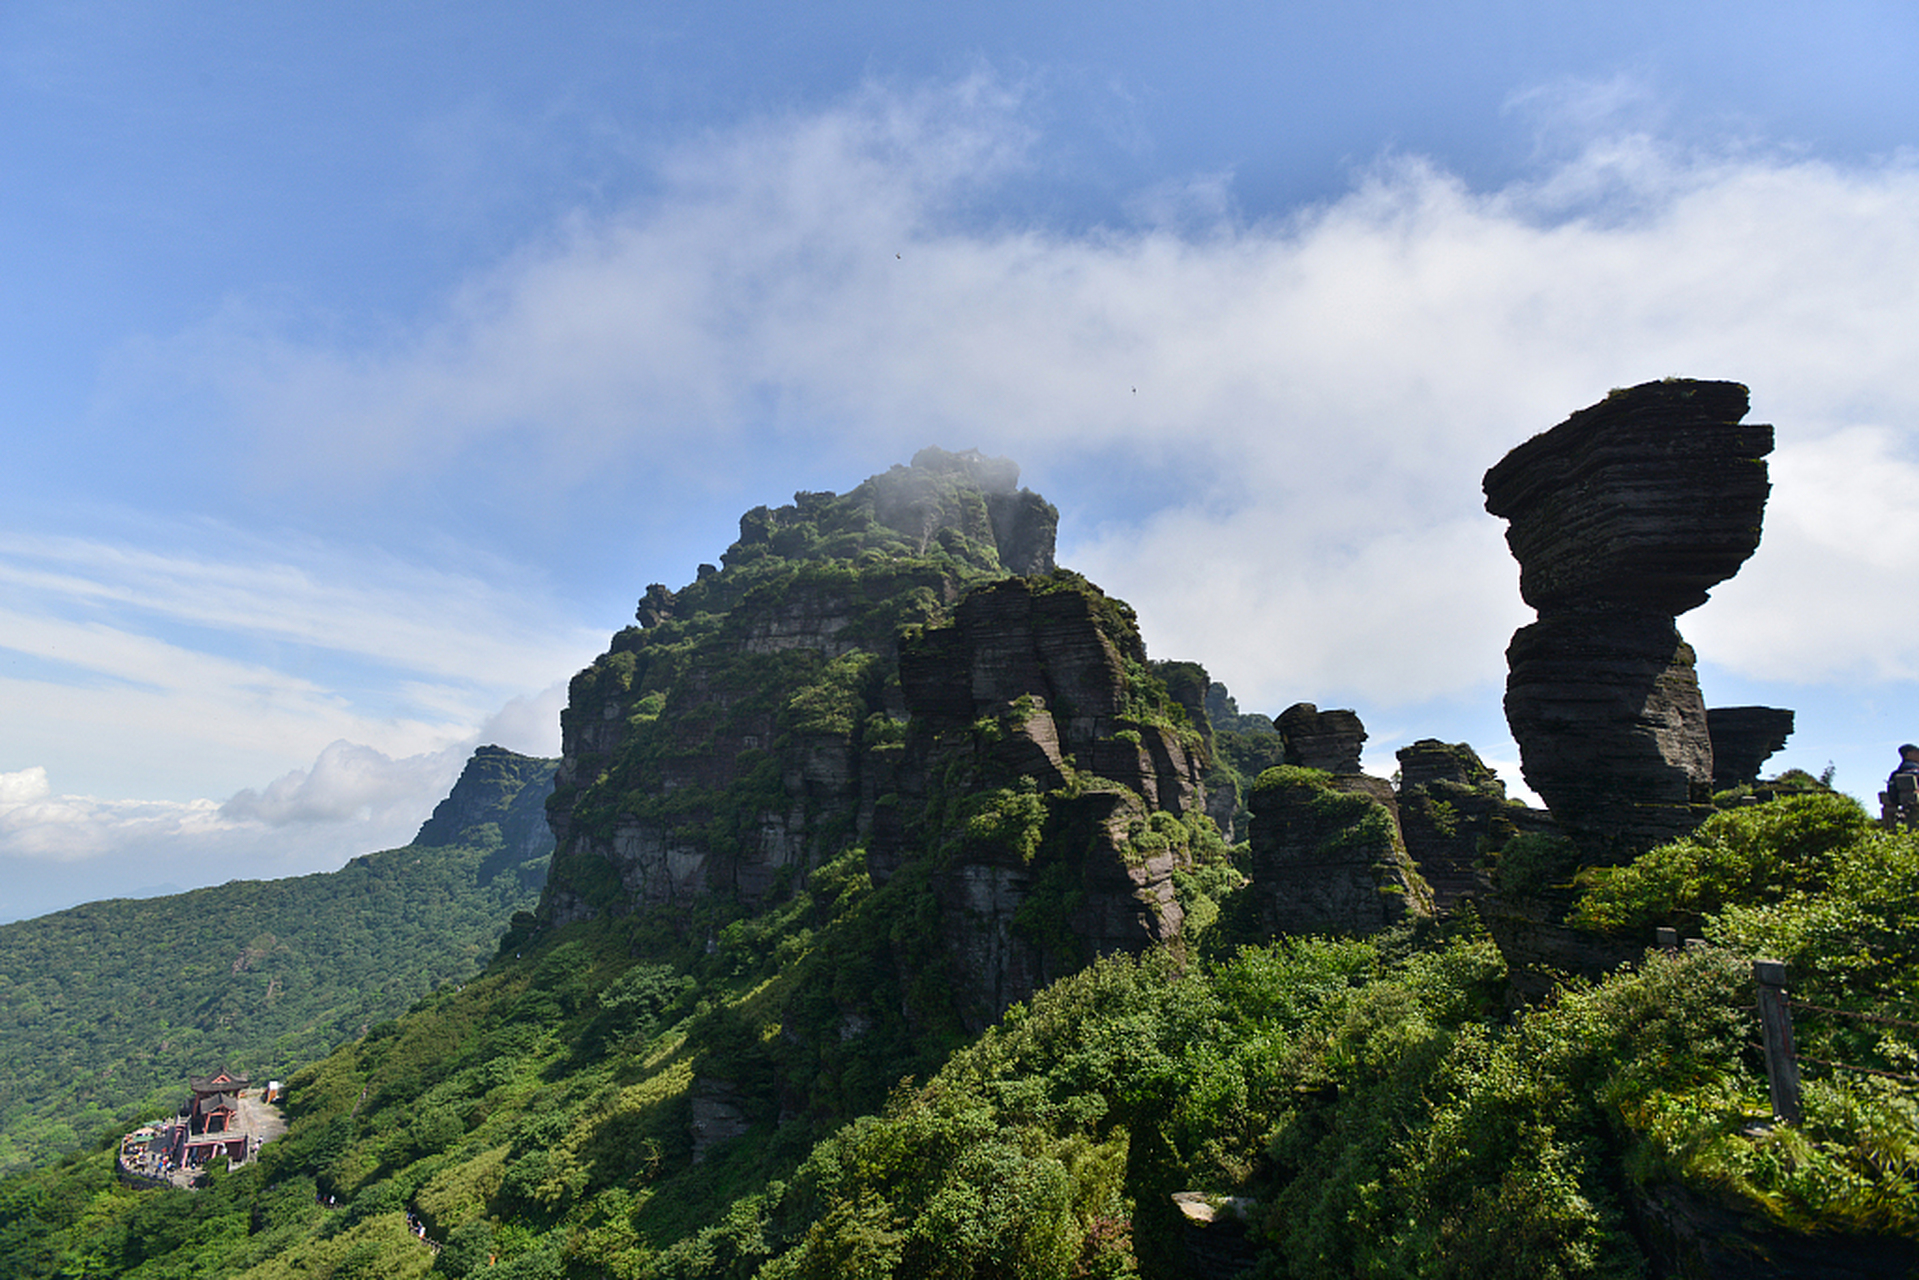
x: 1243, y: 746
x: 1622, y: 517
x: 1325, y: 851
x: 717, y: 748
x: 1329, y: 741
x: 504, y: 788
x: 1743, y: 738
x: 862, y: 674
x: 1452, y: 810
x: 1032, y: 690
x: 1325, y: 855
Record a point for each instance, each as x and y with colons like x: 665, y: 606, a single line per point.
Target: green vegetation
x: 1372, y: 1098
x: 1810, y: 880
x: 804, y: 1065
x: 1532, y: 862
x: 105, y: 1009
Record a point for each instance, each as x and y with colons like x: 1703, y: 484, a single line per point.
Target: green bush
x: 1532, y: 861
x: 1745, y: 856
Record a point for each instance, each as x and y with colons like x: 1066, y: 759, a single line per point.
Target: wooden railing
x: 1782, y: 1059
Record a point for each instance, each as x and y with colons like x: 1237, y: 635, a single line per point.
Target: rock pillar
x: 1623, y: 517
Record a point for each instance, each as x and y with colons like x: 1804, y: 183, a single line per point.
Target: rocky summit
x: 1622, y: 517
x: 899, y: 671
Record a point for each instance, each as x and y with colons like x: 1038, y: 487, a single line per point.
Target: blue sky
x: 360, y: 365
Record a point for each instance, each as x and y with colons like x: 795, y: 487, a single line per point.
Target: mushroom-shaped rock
x: 1623, y: 516
x: 1742, y: 740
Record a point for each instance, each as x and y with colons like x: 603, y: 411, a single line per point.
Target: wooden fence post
x: 1775, y: 1021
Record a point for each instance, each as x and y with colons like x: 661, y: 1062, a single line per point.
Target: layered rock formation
x: 1743, y: 738
x: 1329, y: 741
x: 1452, y: 810
x: 834, y: 687
x: 1327, y: 858
x: 1026, y: 694
x: 1622, y: 517
x: 1325, y: 851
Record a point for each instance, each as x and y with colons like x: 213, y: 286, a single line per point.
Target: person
x: 1891, y: 814
x: 1908, y: 760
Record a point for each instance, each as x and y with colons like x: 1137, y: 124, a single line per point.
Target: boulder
x: 1326, y: 740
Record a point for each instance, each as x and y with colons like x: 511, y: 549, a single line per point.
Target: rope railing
x: 1782, y: 1060
x: 1775, y: 1021
x: 1848, y: 1013
x: 1867, y: 1071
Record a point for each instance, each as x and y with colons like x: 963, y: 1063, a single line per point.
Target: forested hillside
x: 1369, y: 1105
x: 106, y: 1008
x: 891, y: 932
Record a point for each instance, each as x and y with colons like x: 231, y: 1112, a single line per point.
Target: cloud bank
x: 60, y: 849
x: 1268, y: 428
x: 365, y: 682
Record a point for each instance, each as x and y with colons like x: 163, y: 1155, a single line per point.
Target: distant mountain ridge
x: 106, y: 1007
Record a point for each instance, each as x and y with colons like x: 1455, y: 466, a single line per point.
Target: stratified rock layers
x: 1622, y: 517
x: 861, y: 674
x: 1611, y: 727
x: 1742, y: 740
x: 1325, y: 855
x: 1452, y: 808
x: 1315, y: 739
x: 1643, y: 501
x: 1026, y: 688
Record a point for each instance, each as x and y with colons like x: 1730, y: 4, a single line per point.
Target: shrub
x: 1744, y: 856
x: 1531, y: 862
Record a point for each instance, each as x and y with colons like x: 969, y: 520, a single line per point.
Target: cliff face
x: 1622, y: 517
x: 1326, y: 855
x: 835, y: 687
x: 1033, y: 721
x: 1452, y: 810
x: 501, y: 787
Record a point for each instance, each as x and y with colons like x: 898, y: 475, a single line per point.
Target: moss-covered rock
x: 1329, y: 860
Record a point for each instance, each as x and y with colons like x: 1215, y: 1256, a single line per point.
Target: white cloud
x: 358, y: 602
x: 347, y: 782
x: 529, y: 725
x: 23, y: 787
x: 1315, y: 397
x: 1827, y: 596
x: 1269, y: 430
x: 126, y: 669
x: 70, y: 828
x: 58, y: 849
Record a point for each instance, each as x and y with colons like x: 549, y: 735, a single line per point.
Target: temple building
x: 219, y: 1120
x: 213, y: 1120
